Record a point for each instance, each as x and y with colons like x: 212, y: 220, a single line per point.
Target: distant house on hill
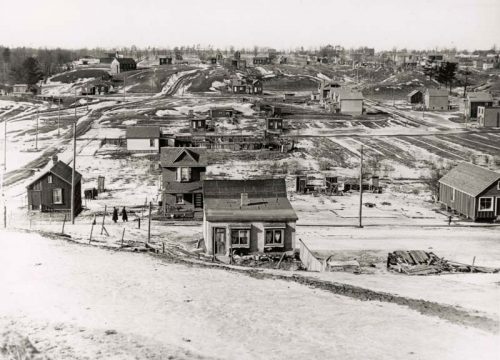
x: 261, y: 60
x: 51, y: 191
x: 20, y: 89
x: 488, y: 116
x: 119, y: 65
x: 416, y: 97
x: 436, y: 99
x: 476, y: 99
x: 221, y: 112
x: 254, y: 87
x: 471, y: 191
x: 247, y: 216
x: 143, y: 139
x: 183, y: 170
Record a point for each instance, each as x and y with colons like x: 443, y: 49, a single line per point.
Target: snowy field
x: 98, y: 304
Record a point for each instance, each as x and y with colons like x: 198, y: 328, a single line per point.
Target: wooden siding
x: 43, y: 197
x: 308, y: 259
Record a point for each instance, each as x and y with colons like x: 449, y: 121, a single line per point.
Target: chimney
x: 244, y: 199
x: 54, y: 160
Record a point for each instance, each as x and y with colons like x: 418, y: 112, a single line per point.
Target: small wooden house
x: 488, y: 116
x: 183, y: 170
x: 347, y: 102
x: 471, y: 191
x: 119, y: 65
x: 143, y: 139
x: 247, y: 216
x: 221, y: 112
x: 254, y: 87
x: 415, y: 97
x: 165, y: 60
x: 51, y: 191
x: 436, y: 99
x: 476, y: 99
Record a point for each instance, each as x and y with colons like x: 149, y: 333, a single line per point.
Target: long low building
x: 247, y: 216
x: 471, y: 191
x: 143, y: 139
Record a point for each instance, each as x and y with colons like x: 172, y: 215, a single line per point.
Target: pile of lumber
x: 419, y: 262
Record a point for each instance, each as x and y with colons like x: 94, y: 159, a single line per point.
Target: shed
x: 436, y: 99
x: 143, y: 138
x: 471, y: 191
x: 416, y: 97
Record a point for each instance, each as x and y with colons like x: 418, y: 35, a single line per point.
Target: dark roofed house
x: 51, y: 191
x: 476, y: 99
x: 247, y: 216
x: 119, y: 65
x: 143, y: 138
x: 471, y: 191
x: 183, y: 170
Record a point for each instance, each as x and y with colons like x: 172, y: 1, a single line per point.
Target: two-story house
x: 183, y: 170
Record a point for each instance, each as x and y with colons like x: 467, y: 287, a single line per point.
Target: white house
x: 143, y: 139
x: 347, y: 101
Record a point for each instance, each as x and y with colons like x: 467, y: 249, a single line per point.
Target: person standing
x: 124, y: 215
x: 115, y: 214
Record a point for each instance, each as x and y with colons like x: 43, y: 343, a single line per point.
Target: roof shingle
x: 469, y: 178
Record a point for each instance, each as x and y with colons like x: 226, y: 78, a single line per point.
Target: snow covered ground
x: 98, y: 304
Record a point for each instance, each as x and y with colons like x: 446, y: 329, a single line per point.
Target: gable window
x: 453, y: 195
x: 49, y: 179
x: 183, y: 174
x: 57, y: 196
x: 240, y: 238
x: 485, y: 204
x: 179, y: 199
x: 274, y: 237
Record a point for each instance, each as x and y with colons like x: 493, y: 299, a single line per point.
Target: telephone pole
x: 3, y: 174
x: 58, y: 117
x: 36, y: 134
x: 73, y: 169
x: 361, y: 187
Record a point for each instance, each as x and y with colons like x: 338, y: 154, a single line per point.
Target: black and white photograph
x: 247, y: 180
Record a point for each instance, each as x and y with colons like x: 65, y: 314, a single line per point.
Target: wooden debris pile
x: 419, y: 262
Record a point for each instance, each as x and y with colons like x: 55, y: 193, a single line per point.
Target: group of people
x: 123, y: 214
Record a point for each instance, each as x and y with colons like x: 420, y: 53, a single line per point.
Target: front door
x: 220, y: 241
x: 498, y: 207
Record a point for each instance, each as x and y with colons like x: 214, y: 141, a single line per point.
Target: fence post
x: 64, y: 223
x: 123, y: 235
x: 91, y: 230
x: 149, y: 222
x: 103, y: 217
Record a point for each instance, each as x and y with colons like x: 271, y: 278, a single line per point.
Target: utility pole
x: 124, y: 87
x: 361, y: 187
x: 4, y: 172
x: 36, y: 134
x: 73, y: 169
x: 58, y: 117
x: 149, y: 223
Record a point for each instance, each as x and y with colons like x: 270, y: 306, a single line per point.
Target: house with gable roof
x: 183, y: 170
x: 51, y: 191
x: 471, y: 191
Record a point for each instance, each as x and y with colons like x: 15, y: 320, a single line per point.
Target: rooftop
x: 267, y: 200
x: 189, y: 157
x: 143, y: 132
x: 437, y: 92
x: 479, y: 96
x: 469, y: 178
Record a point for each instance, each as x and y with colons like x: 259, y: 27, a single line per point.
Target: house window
x: 57, y: 196
x: 240, y: 238
x: 274, y: 237
x: 485, y: 204
x: 179, y: 199
x: 183, y: 174
x: 498, y: 185
x: 453, y: 195
x: 49, y: 179
x: 151, y: 142
x: 37, y: 186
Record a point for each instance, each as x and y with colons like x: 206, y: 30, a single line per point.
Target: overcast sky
x: 283, y: 24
